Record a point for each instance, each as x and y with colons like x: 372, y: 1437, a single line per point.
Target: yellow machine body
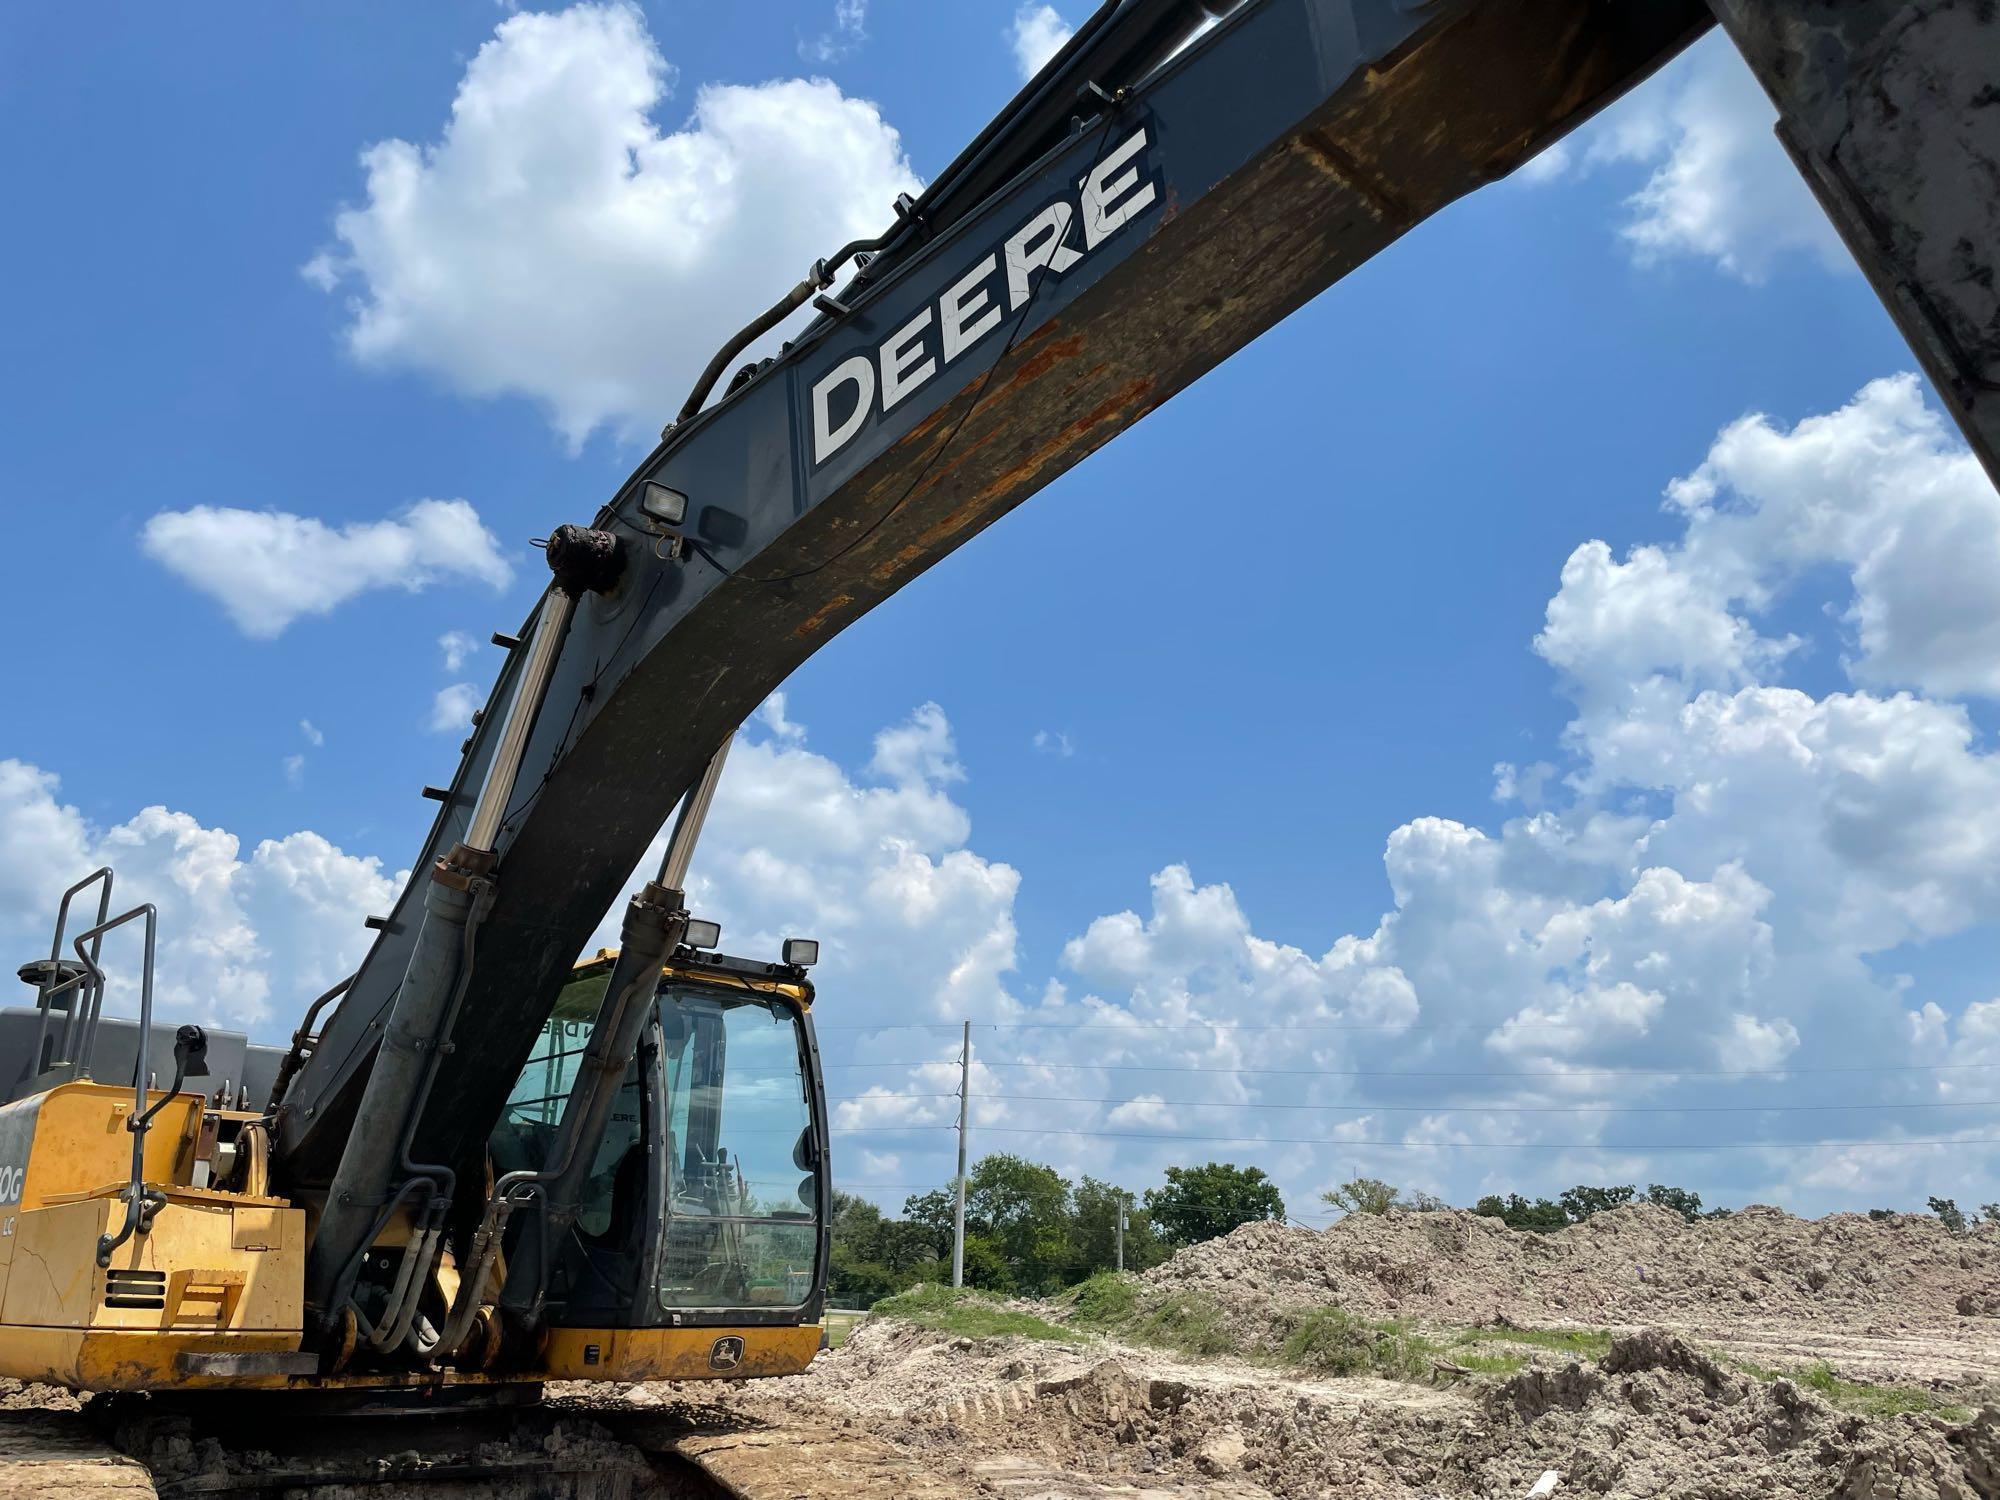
x: 221, y: 1274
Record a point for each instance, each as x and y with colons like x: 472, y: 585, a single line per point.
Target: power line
x: 1425, y: 1109
x: 1140, y: 1026
x: 1286, y: 1140
x: 1381, y: 1073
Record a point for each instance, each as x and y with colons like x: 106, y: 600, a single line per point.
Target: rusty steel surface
x: 1891, y: 111
x: 1281, y: 151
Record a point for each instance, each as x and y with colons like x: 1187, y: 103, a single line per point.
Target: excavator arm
x: 1155, y: 199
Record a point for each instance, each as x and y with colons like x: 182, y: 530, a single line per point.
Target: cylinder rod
x: 550, y: 623
x: 694, y: 813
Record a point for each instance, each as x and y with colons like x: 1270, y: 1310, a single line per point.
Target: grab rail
x: 53, y: 985
x: 141, y: 1202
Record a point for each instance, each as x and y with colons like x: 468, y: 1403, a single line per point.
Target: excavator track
x: 589, y: 1449
x: 567, y: 1450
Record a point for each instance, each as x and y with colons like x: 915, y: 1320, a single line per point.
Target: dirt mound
x: 1630, y: 1266
x: 1654, y: 1417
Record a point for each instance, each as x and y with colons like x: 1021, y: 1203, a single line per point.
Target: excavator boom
x: 1130, y: 224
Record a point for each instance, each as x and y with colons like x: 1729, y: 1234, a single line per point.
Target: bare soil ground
x: 1735, y: 1359
x: 1757, y: 1358
x: 1653, y: 1418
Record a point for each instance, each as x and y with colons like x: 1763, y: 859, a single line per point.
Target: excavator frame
x: 1180, y: 177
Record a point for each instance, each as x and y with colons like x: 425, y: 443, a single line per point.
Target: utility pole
x: 958, y: 1212
x: 1121, y: 1231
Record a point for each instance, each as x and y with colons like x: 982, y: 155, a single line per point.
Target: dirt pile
x: 1631, y: 1266
x: 1654, y: 1417
x: 1100, y: 1418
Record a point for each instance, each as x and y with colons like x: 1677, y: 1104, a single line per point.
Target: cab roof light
x: 703, y: 934
x: 801, y: 953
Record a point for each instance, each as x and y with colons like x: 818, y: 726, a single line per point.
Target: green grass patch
x: 1491, y: 1364
x: 1110, y: 1299
x: 1856, y: 1396
x: 969, y: 1314
x: 840, y: 1324
x: 1187, y: 1322
x: 1332, y: 1341
x: 1317, y: 1340
x: 1120, y: 1304
x: 1875, y: 1400
x: 1585, y: 1343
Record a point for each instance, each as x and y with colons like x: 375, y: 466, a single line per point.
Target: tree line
x: 1542, y: 1215
x: 1371, y: 1195
x: 1030, y: 1230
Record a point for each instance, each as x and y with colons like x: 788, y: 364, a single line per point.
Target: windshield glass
x: 527, y: 1132
x: 742, y: 1201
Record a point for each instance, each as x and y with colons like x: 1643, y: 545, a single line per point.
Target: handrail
x: 45, y: 997
x: 141, y: 1202
x: 302, y: 1040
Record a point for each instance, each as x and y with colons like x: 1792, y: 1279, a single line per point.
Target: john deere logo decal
x: 726, y: 1354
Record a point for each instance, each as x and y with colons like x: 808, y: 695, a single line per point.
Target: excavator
x: 482, y: 1165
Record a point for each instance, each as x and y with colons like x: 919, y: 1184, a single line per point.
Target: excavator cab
x: 703, y: 1206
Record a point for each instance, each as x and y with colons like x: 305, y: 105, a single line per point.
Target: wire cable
x: 1471, y: 1106
x: 1574, y: 1073
x: 1148, y: 1026
x: 1301, y: 1140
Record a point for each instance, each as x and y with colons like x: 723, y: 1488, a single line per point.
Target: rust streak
x: 1123, y: 406
x: 954, y: 416
x: 1129, y: 401
x: 816, y: 621
x: 1043, y: 361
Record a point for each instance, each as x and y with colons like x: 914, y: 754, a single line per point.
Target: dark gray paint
x: 1892, y: 112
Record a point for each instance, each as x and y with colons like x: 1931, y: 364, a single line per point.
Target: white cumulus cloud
x: 243, y: 940
x: 1720, y: 188
x: 771, y: 714
x: 269, y: 568
x: 1056, y: 742
x: 1712, y: 880
x: 452, y: 708
x: 1036, y: 35
x: 557, y: 242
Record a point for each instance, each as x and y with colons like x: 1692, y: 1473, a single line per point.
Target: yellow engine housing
x: 218, y: 1273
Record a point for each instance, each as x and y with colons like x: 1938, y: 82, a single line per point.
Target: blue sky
x: 1148, y: 739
